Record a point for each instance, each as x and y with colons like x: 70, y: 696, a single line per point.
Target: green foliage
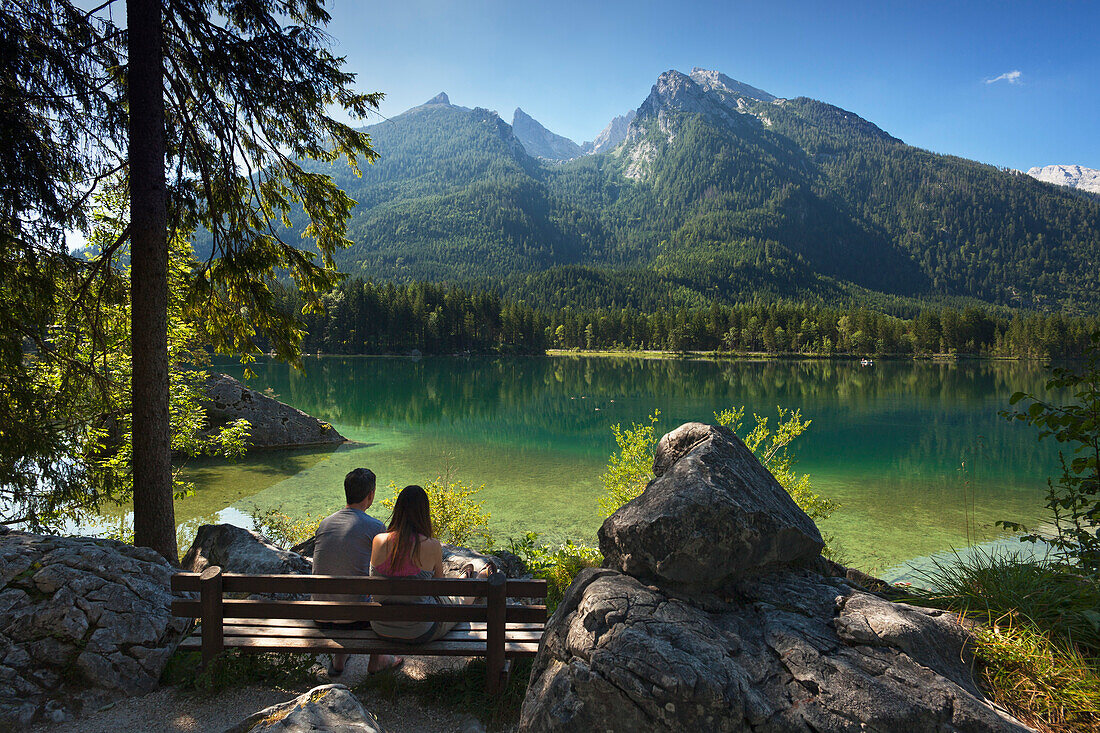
x: 234, y: 669
x: 282, y: 529
x: 629, y: 470
x: 365, y: 318
x: 1074, y: 501
x: 458, y: 518
x: 558, y: 566
x: 90, y: 466
x: 773, y: 450
x: 1038, y: 635
x: 1050, y: 686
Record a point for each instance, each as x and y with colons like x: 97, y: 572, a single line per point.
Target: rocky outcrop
x: 712, y: 80
x: 273, y: 424
x: 324, y: 709
x: 754, y: 633
x: 83, y: 622
x: 712, y: 514
x: 238, y: 550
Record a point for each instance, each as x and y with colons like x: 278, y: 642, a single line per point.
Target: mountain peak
x: 1074, y: 176
x: 711, y: 79
x: 440, y: 98
x: 610, y: 137
x: 540, y: 142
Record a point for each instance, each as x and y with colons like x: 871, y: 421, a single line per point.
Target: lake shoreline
x: 755, y: 356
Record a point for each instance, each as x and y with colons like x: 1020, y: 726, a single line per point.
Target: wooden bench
x: 494, y: 629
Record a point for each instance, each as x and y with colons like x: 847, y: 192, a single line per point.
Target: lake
x: 915, y: 453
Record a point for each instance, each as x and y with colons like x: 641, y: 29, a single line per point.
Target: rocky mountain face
x: 1074, y: 176
x: 712, y: 80
x: 540, y: 142
x: 610, y: 137
x: 710, y: 94
x: 714, y: 611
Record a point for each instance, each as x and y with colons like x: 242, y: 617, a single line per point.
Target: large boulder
x: 238, y: 550
x: 324, y: 709
x: 715, y: 612
x: 83, y: 622
x: 273, y: 424
x: 794, y: 651
x: 711, y: 515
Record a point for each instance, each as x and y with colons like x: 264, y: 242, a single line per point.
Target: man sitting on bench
x: 343, y: 547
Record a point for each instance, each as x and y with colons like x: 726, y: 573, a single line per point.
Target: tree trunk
x: 154, y: 515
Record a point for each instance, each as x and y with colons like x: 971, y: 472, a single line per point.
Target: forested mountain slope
x: 720, y: 191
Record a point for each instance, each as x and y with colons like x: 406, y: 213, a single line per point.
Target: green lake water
x: 915, y: 453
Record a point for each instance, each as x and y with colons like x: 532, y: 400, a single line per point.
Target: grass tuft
x: 1038, y: 638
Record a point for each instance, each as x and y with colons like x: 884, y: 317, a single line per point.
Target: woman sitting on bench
x: 408, y: 550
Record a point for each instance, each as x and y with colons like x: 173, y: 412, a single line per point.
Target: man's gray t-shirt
x: 343, y: 547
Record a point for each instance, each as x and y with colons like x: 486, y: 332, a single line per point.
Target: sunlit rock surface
x: 83, y: 622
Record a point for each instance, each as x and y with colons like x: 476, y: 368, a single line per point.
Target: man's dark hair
x: 358, y: 485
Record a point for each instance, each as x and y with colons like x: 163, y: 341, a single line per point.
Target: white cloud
x: 1012, y: 77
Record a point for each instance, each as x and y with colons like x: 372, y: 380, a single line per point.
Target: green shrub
x: 557, y: 566
x: 631, y: 468
x: 282, y: 529
x: 234, y: 668
x: 458, y: 518
x: 1074, y: 501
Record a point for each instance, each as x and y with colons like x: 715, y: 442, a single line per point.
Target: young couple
x: 351, y: 542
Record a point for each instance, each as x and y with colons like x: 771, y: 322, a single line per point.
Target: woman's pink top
x: 406, y: 569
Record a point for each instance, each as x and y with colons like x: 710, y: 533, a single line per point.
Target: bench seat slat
x: 299, y: 623
x: 349, y: 611
x: 443, y: 647
x: 301, y: 632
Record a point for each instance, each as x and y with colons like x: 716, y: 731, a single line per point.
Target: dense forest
x: 367, y: 318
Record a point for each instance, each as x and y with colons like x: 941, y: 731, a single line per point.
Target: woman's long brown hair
x: 411, y: 520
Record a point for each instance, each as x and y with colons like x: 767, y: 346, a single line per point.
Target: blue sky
x: 919, y: 70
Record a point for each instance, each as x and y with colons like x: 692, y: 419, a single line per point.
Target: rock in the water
x: 83, y: 622
x: 238, y: 550
x: 712, y: 515
x: 324, y: 709
x: 273, y: 423
x: 793, y: 651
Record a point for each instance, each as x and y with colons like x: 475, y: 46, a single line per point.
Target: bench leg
x: 497, y: 679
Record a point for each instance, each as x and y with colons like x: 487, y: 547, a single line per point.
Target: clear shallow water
x: 889, y: 442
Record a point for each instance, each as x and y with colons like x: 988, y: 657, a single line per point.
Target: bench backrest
x: 212, y: 583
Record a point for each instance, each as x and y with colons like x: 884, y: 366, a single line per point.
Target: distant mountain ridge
x: 712, y: 190
x: 540, y: 142
x: 610, y: 137
x: 1074, y: 176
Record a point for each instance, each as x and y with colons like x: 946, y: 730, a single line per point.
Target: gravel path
x: 173, y: 710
